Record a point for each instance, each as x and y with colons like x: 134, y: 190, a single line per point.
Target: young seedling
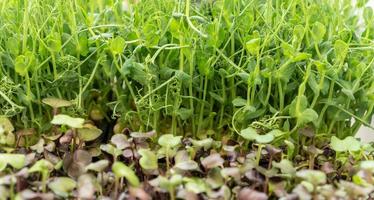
x: 120, y: 171
x: 98, y: 167
x: 17, y: 161
x: 168, y: 184
x: 56, y: 104
x: 169, y: 144
x: 112, y: 150
x: 39, y: 146
x: 183, y: 162
x: 7, y: 136
x: 348, y: 145
x: 285, y: 166
x: 74, y: 123
x: 312, y: 179
x: 250, y: 134
x: 44, y: 167
x: 148, y: 160
x: 88, y: 133
x: 62, y: 186
x: 209, y: 69
x: 195, y: 185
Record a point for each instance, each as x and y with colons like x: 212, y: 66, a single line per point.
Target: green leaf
x: 62, y: 186
x: 217, y: 97
x: 117, y: 45
x: 98, y: 166
x: 82, y: 46
x: 312, y: 176
x: 251, y: 134
x: 6, y: 125
x: 294, y: 110
x: 285, y: 72
x: 175, y: 27
x: 186, y: 165
x: 318, y: 31
x: 341, y: 50
x: 239, y: 102
x: 347, y: 89
x: 72, y: 122
x: 285, y: 166
x: 148, y: 160
x: 203, y: 64
x: 321, y: 67
x: 308, y: 115
x: 182, y: 77
x: 253, y: 46
x: 301, y: 56
x: 204, y: 143
x: 184, y: 113
x: 183, y: 161
x: 54, y: 42
x: 135, y: 71
x: 169, y: 140
x: 216, y: 34
x: 298, y: 109
x: 12, y: 45
x: 264, y: 139
x: 277, y: 133
x: 56, y: 102
x: 41, y: 166
x: 288, y: 50
x: 298, y: 32
x: 21, y: 65
x: 151, y: 33
x: 244, y: 76
x: 195, y: 185
x: 347, y: 144
x: 312, y: 82
x: 89, y: 133
x: 115, y: 152
x: 39, y: 146
x: 166, y: 151
x: 15, y: 160
x: 346, y: 35
x: 121, y: 170
x: 172, y: 182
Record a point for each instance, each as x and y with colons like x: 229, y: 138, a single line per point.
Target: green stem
x: 172, y: 194
x: 258, y: 154
x: 191, y: 94
x: 222, y: 110
x: 202, y: 105
x: 54, y: 65
x: 29, y: 97
x: 88, y: 82
x: 45, y: 175
x: 281, y: 97
x: 317, y: 50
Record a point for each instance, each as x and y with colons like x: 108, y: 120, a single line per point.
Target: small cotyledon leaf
x: 121, y: 170
x: 347, y: 144
x: 72, y: 122
x: 251, y: 134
